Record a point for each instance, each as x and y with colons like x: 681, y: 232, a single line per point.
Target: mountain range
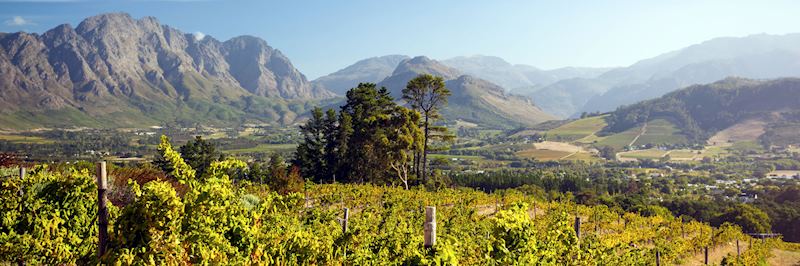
x: 371, y: 70
x: 517, y: 78
x: 766, y: 109
x: 473, y: 100
x: 760, y: 56
x: 113, y: 71
x: 116, y: 71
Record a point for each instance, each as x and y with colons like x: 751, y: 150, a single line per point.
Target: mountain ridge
x: 373, y: 69
x: 473, y: 99
x: 699, y: 111
x: 700, y: 63
x: 114, y: 65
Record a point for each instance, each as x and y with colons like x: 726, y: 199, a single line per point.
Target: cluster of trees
x: 200, y: 154
x: 57, y: 145
x: 782, y: 205
x: 776, y: 211
x: 372, y: 137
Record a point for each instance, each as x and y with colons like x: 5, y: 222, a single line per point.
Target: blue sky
x: 325, y: 35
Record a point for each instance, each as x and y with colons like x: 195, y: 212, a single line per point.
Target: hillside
x: 473, y: 100
x: 700, y: 111
x: 757, y: 56
x: 116, y: 71
x: 515, y: 77
x: 371, y: 70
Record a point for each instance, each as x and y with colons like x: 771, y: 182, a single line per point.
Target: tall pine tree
x: 428, y: 95
x: 309, y: 155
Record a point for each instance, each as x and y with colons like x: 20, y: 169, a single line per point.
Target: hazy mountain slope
x: 563, y: 97
x: 496, y: 70
x: 113, y: 70
x: 773, y: 64
x: 373, y: 70
x: 520, y: 78
x: 473, y: 99
x: 702, y: 110
x: 715, y: 59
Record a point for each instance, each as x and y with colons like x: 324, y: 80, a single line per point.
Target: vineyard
x: 50, y: 216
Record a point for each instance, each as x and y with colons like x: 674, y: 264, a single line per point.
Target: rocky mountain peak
x: 423, y: 64
x: 113, y: 62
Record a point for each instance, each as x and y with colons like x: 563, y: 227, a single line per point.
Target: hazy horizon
x: 321, y: 37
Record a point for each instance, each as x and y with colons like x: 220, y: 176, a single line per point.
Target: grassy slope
x: 661, y: 131
x: 138, y: 113
x: 577, y: 129
x: 265, y: 148
x: 620, y: 140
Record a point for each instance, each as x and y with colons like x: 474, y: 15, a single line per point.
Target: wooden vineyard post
x: 658, y: 258
x: 345, y: 222
x: 738, y: 252
x: 706, y: 255
x: 578, y: 226
x: 430, y: 226
x: 683, y: 231
x: 21, y: 178
x: 102, y: 211
x: 21, y: 261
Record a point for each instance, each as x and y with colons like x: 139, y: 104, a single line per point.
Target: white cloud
x: 198, y: 36
x: 19, y: 21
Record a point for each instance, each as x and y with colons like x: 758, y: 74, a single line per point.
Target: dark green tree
x: 343, y: 134
x: 426, y: 94
x: 198, y: 153
x: 369, y: 109
x: 401, y: 140
x: 332, y: 144
x: 607, y: 152
x: 751, y: 219
x: 310, y: 153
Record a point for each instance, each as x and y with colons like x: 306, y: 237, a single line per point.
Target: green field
x: 620, y: 140
x: 577, y: 129
x: 582, y: 156
x: 644, y: 154
x: 661, y: 131
x: 265, y: 148
x: 747, y: 147
x: 25, y: 139
x: 684, y: 154
x: 463, y: 157
x: 543, y: 155
x: 500, y: 147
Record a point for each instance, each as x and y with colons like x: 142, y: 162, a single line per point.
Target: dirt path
x: 644, y: 130
x: 783, y: 257
x: 565, y: 157
x: 715, y: 255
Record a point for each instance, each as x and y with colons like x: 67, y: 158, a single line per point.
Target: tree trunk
x: 402, y: 172
x: 415, y: 164
x: 425, y: 152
